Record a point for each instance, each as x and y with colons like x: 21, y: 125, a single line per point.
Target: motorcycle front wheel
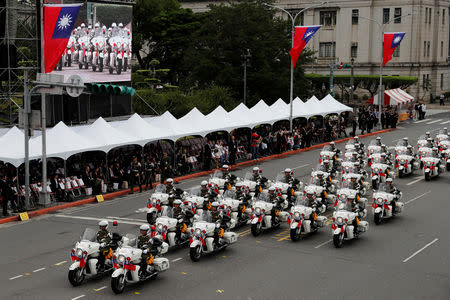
x: 118, y: 284
x: 69, y: 60
x: 427, y: 177
x: 76, y: 277
x: 100, y: 65
x: 377, y: 218
x: 195, y: 253
x: 338, y: 240
x: 294, y: 235
x: 119, y: 66
x: 256, y: 230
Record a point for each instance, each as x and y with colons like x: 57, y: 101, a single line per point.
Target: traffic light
x: 99, y: 88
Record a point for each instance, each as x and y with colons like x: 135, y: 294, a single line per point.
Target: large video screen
x: 99, y: 49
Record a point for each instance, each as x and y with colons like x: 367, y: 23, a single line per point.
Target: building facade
x: 346, y: 34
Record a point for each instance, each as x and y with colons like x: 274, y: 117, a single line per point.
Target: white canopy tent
x: 333, y: 106
x: 13, y: 147
x: 140, y: 129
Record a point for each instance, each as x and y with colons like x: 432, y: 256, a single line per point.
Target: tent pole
x: 65, y: 168
x: 18, y: 188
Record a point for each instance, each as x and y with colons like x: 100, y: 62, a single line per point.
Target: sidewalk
x: 108, y: 196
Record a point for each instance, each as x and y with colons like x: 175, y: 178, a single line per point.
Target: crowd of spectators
x: 94, y: 173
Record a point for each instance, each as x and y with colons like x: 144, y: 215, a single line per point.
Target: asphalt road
x: 404, y: 258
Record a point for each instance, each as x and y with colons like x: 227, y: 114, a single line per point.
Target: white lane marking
x: 38, y: 270
x: 421, y: 249
x: 446, y: 122
x: 15, y: 277
x: 414, y: 199
x: 424, y: 120
x: 61, y: 262
x: 126, y: 219
x: 414, y: 181
x: 100, y: 288
x: 300, y: 166
x: 324, y: 243
x: 177, y: 259
x: 141, y: 210
x: 435, y: 121
x: 81, y: 296
x: 98, y: 219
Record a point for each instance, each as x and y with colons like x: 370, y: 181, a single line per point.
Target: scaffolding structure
x: 20, y: 49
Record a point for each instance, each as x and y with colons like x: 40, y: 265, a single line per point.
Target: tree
x: 226, y: 32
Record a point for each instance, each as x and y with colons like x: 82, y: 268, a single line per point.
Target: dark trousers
x: 133, y: 181
x: 148, y: 182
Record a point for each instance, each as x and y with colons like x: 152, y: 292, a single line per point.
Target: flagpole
x: 293, y: 18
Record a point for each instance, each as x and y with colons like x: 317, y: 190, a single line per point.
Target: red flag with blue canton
x: 59, y: 20
x: 302, y: 35
x: 391, y: 42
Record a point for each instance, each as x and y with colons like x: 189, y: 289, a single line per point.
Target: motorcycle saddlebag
x: 161, y: 264
x: 399, y: 207
x: 321, y: 220
x: 363, y: 226
x: 230, y: 237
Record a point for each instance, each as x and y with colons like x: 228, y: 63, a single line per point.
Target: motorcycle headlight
x: 160, y: 227
x: 339, y: 220
x: 376, y: 170
x: 343, y: 196
x: 258, y: 211
x: 402, y: 161
x: 380, y: 201
x: 198, y: 232
x: 121, y: 259
x: 297, y: 215
x: 79, y: 252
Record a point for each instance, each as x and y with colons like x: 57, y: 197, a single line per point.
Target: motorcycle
x: 404, y: 162
x: 380, y: 170
x: 374, y: 147
x: 99, y: 42
x: 85, y: 257
x: 167, y: 227
x: 444, y: 147
x: 158, y: 204
x: 127, y: 264
x: 222, y: 183
x: 289, y: 190
x: 84, y: 53
x: 299, y: 219
x: 229, y: 199
x: 422, y: 142
x: 344, y: 222
x: 202, y: 239
x: 382, y: 204
x: 442, y: 136
x: 116, y: 55
x: 261, y: 218
x: 432, y: 166
x: 329, y: 154
x: 71, y: 52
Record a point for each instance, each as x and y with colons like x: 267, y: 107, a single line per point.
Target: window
x: 327, y: 49
x: 386, y: 12
x: 442, y: 48
x: 429, y: 15
x: 396, y: 52
x: 442, y: 81
x: 398, y: 14
x: 328, y: 18
x: 443, y: 17
x: 354, y: 50
x: 428, y: 49
x: 424, y: 49
x: 355, y: 16
x: 426, y: 15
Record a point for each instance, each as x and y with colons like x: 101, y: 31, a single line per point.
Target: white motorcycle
x: 329, y: 154
x: 116, y: 54
x: 127, y: 262
x: 218, y: 180
x: 300, y: 217
x: 166, y: 227
x: 442, y: 136
x: 202, y: 239
x: 100, y: 45
x: 261, y: 218
x: 158, y: 204
x: 344, y: 222
x: 423, y: 142
x: 85, y: 256
x: 444, y: 147
x: 405, y: 163
x: 71, y: 53
x: 380, y: 170
x: 84, y: 53
x: 382, y: 204
x: 432, y: 166
x: 374, y: 147
x: 238, y: 218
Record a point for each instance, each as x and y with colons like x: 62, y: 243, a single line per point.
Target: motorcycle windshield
x: 402, y: 151
x: 327, y: 148
x: 375, y: 143
x: 217, y: 174
x: 89, y: 234
x: 132, y: 240
x: 160, y: 188
x: 344, y: 204
x: 401, y: 144
x: 248, y: 176
x: 280, y: 178
x: 349, y: 169
x: 378, y: 160
x: 301, y: 201
x: 383, y: 188
x: 229, y: 194
x: 263, y: 197
x: 194, y: 191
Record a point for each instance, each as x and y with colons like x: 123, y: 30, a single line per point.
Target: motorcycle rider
x: 311, y: 201
x: 333, y: 148
x: 288, y: 178
x: 242, y: 196
x: 173, y: 192
x: 178, y: 213
x: 259, y: 179
x: 405, y: 142
x: 256, y: 174
x: 378, y: 141
x: 216, y: 218
x: 276, y: 200
x: 384, y: 150
x: 358, y: 142
x: 204, y: 191
x: 391, y: 188
x: 145, y: 245
x: 327, y: 168
x: 354, y: 184
x: 429, y: 143
x: 104, y: 238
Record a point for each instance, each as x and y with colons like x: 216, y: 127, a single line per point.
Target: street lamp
x: 381, y: 29
x: 352, y: 81
x: 246, y: 59
x: 293, y: 18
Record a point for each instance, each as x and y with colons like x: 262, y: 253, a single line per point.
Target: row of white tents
x: 64, y: 141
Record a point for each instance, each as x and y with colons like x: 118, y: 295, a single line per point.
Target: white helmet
x: 226, y: 167
x: 215, y: 204
x: 272, y: 188
x: 103, y: 223
x: 378, y: 138
x: 255, y: 169
x: 120, y: 25
x: 104, y: 27
x: 204, y: 182
x: 405, y: 138
x: 113, y: 25
x: 169, y: 180
x: 90, y: 27
x: 287, y: 170
x: 332, y: 143
x: 356, y: 137
x: 178, y: 202
x: 83, y: 25
x: 97, y: 25
x: 79, y: 28
x: 389, y: 180
x: 144, y: 227
x: 326, y: 161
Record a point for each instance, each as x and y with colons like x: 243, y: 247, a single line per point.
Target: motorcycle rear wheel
x: 256, y: 230
x: 80, y: 66
x: 118, y: 284
x: 76, y: 277
x: 338, y: 240
x: 294, y: 236
x: 69, y: 60
x: 119, y: 66
x: 195, y: 253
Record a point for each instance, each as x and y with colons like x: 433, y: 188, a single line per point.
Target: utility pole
x: 352, y: 82
x: 246, y: 59
x: 332, y: 65
x: 26, y: 127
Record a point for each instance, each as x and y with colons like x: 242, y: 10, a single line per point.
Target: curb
x: 112, y: 195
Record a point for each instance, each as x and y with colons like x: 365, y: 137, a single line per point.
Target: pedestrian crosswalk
x: 434, y: 121
x: 431, y: 121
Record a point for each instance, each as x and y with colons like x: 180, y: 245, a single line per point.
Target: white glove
x: 145, y: 251
x: 102, y: 245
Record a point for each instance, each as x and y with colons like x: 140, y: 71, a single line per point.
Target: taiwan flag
x: 302, y: 35
x: 391, y: 42
x: 59, y: 20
